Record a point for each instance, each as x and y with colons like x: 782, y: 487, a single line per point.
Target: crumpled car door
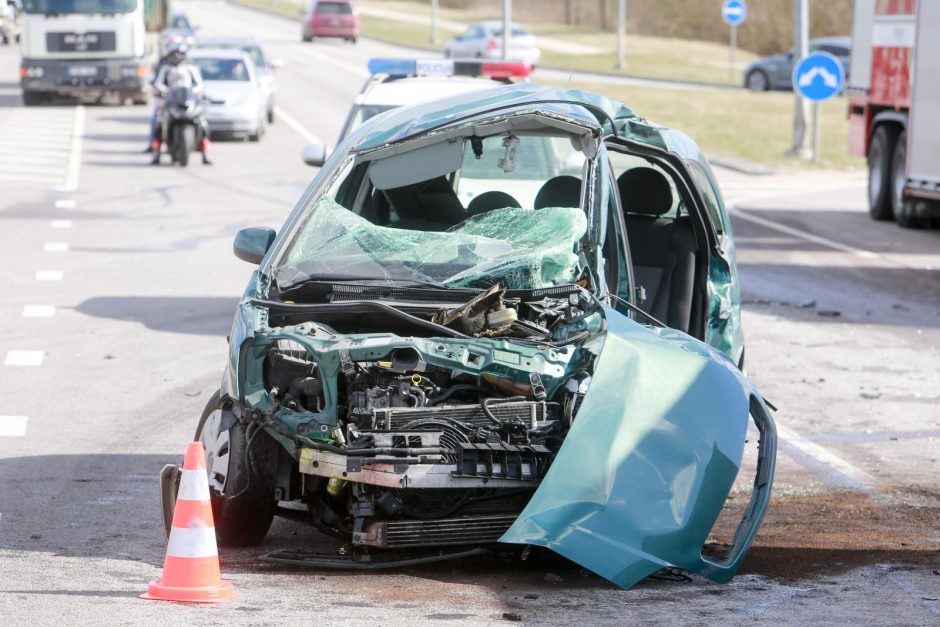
x: 650, y: 459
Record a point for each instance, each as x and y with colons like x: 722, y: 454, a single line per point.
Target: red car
x: 331, y: 18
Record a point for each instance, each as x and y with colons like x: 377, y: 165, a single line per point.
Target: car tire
x: 270, y: 115
x: 757, y: 80
x: 903, y: 209
x: 306, y: 38
x: 880, y: 156
x: 244, y: 508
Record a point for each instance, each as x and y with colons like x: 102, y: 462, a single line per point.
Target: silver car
x: 235, y: 102
x: 264, y: 67
x: 484, y: 40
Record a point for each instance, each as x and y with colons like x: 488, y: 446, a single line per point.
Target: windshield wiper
x: 364, y: 280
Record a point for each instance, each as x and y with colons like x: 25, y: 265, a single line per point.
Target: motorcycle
x: 183, y: 123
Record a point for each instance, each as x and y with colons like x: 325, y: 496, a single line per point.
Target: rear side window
x: 333, y: 8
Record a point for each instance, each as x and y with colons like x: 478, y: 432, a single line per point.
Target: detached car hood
x: 648, y: 463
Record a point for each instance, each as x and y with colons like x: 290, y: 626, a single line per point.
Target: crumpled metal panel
x: 397, y: 125
x: 519, y: 248
x: 645, y: 470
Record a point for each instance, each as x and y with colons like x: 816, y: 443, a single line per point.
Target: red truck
x: 894, y: 107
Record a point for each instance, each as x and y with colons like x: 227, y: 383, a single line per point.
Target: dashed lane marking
x: 55, y: 247
x: 65, y: 203
x: 38, y: 311
x: 24, y: 358
x: 60, y: 224
x: 49, y: 275
x: 13, y: 426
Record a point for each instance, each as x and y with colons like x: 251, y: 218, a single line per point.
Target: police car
x: 397, y: 82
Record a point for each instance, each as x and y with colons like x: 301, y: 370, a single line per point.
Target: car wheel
x: 270, y: 115
x: 903, y: 209
x: 757, y: 81
x: 306, y: 38
x: 241, y: 464
x: 880, y: 154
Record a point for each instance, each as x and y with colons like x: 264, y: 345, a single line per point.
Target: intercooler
x: 401, y: 534
x: 529, y: 412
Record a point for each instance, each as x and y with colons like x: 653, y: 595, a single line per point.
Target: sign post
x: 818, y: 77
x: 733, y: 13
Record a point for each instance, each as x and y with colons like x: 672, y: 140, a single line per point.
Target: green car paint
x: 664, y: 425
x: 665, y: 419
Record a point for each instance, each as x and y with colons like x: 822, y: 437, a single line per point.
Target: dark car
x: 774, y: 72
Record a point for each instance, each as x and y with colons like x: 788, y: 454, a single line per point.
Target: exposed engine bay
x: 416, y: 442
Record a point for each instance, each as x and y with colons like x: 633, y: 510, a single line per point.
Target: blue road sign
x: 818, y: 76
x: 733, y: 12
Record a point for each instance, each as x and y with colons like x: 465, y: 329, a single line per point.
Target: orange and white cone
x: 191, y: 568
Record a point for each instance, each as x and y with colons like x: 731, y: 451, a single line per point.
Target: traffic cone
x: 191, y: 568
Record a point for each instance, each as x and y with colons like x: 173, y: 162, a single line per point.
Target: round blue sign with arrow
x: 818, y: 76
x: 733, y: 12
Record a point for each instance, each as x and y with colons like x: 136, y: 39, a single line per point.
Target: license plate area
x: 82, y: 71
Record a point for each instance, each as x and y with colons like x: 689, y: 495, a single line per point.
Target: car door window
x: 712, y: 202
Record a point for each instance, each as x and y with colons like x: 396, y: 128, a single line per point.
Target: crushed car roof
x: 606, y: 115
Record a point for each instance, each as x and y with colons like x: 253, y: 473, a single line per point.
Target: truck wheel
x: 32, y: 98
x: 241, y: 465
x: 904, y: 213
x: 880, y: 154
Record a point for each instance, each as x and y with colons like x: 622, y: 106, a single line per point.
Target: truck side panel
x: 923, y: 166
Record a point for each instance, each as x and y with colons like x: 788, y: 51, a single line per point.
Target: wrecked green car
x: 506, y: 317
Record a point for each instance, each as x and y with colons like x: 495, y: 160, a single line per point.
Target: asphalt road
x: 118, y: 290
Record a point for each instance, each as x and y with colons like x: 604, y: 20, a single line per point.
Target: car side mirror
x: 315, y: 154
x: 252, y: 244
x: 276, y: 63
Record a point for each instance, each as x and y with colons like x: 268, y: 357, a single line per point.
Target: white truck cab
x: 92, y: 47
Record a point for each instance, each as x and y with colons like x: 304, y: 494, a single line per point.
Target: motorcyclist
x: 172, y: 42
x: 176, y: 72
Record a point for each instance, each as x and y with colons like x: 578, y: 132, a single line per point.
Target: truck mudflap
x: 650, y: 460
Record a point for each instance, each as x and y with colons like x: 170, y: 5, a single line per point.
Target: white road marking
x: 38, y: 311
x: 75, y: 153
x: 355, y: 70
x: 38, y: 144
x: 65, y: 203
x: 49, y: 275
x: 13, y: 426
x: 803, y: 235
x: 60, y: 224
x: 827, y: 457
x: 301, y: 130
x: 24, y: 358
x: 55, y: 247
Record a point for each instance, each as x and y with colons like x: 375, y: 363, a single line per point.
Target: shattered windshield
x: 466, y: 212
x: 519, y: 248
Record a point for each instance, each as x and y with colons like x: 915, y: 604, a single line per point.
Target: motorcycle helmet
x: 176, y: 52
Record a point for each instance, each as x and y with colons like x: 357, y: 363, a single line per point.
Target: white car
x: 263, y: 65
x: 484, y: 40
x: 398, y: 82
x: 236, y: 104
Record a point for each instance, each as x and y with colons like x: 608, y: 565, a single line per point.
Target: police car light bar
x: 449, y: 67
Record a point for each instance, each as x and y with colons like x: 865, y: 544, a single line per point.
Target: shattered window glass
x: 519, y: 248
x: 538, y: 158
